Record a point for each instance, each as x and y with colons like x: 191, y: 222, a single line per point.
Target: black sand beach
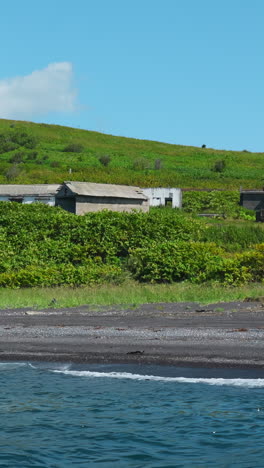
x: 182, y: 334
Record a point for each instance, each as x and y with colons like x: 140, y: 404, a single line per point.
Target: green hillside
x: 41, y: 153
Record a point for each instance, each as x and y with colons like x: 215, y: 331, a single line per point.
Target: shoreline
x: 89, y: 359
x: 224, y: 335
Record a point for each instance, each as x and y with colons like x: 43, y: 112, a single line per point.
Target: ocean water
x: 57, y: 415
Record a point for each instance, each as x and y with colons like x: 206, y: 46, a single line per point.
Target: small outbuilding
x: 159, y: 196
x: 84, y: 197
x: 44, y: 193
x: 252, y: 199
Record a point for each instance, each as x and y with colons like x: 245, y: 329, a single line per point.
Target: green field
x: 35, y: 153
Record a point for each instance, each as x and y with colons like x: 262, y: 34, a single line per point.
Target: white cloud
x: 47, y: 90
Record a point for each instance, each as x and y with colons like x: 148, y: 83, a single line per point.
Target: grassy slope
x: 182, y: 166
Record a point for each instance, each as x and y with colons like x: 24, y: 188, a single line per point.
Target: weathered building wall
x: 252, y: 200
x: 88, y: 204
x: 159, y: 196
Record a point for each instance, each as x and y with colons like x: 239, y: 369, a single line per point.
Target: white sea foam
x: 249, y: 383
x: 11, y: 365
x: 31, y: 365
x: 41, y: 366
x: 64, y: 367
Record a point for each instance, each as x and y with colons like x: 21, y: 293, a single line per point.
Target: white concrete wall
x: 26, y: 200
x: 48, y: 201
x: 158, y: 195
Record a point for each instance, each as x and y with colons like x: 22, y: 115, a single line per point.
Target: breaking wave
x: 249, y: 383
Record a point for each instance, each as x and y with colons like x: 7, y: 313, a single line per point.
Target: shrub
x: 32, y: 155
x: 104, y: 160
x: 34, y: 275
x: 197, y: 262
x: 6, y: 144
x: 253, y: 260
x: 219, y: 166
x: 234, y: 237
x: 222, y: 202
x: 231, y: 272
x: 22, y: 138
x: 17, y: 157
x: 12, y: 172
x: 242, y: 268
x: 174, y: 261
x: 141, y: 164
x: 13, y: 139
x: 73, y: 148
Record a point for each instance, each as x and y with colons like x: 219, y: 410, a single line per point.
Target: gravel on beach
x: 183, y: 334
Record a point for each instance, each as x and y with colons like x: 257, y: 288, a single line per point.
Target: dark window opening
x: 168, y: 201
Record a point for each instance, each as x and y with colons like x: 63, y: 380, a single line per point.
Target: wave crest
x: 249, y: 383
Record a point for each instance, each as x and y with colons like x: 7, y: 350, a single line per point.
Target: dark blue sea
x: 57, y: 415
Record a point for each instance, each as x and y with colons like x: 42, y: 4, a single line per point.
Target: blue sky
x: 180, y: 71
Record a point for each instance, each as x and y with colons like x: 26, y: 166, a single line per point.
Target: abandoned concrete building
x: 84, y: 197
x: 160, y: 196
x: 43, y: 193
x: 252, y: 199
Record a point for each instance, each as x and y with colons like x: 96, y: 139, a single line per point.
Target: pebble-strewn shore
x: 187, y: 334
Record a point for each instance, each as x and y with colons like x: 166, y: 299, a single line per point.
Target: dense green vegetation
x: 44, y: 246
x: 41, y: 153
x: 223, y: 203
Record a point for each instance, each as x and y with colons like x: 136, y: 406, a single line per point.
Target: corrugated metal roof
x: 106, y: 190
x: 24, y: 190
